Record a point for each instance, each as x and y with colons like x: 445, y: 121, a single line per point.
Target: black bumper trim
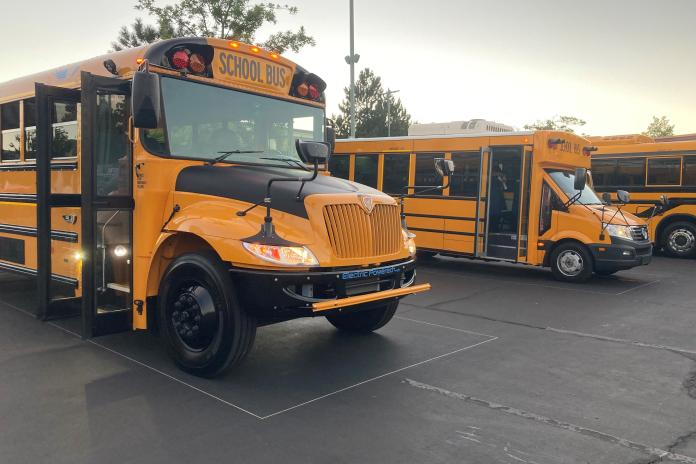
x: 621, y: 254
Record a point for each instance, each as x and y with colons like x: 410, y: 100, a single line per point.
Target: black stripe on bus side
x: 59, y: 235
x: 438, y: 231
x: 18, y: 197
x: 66, y: 166
x: 436, y: 216
x: 32, y: 272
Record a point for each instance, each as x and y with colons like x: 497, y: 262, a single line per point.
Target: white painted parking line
x: 639, y: 286
x: 444, y: 326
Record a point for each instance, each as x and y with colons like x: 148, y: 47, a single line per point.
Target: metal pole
x: 389, y: 93
x: 352, y: 71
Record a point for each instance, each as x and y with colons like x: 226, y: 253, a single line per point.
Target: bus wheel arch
x: 570, y: 260
x: 677, y: 235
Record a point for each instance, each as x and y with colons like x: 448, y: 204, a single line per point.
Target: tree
x: 557, y: 123
x: 138, y: 34
x: 659, y: 127
x: 371, y: 106
x: 225, y: 19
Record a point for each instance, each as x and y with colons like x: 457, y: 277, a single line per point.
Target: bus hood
x: 248, y: 184
x: 611, y: 215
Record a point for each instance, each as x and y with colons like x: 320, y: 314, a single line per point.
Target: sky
x: 613, y: 63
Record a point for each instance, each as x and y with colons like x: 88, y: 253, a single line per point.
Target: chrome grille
x: 639, y: 233
x: 355, y: 234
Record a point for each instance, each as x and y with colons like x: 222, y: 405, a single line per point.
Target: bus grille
x: 355, y: 234
x: 639, y: 233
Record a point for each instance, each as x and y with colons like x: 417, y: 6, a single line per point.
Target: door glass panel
x: 526, y: 192
x: 504, y: 203
x: 64, y: 123
x: 112, y: 146
x: 113, y: 260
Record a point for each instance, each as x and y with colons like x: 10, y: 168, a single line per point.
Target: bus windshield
x: 207, y: 123
x: 565, y: 181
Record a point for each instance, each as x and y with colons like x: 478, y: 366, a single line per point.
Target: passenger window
x: 30, y: 142
x: 11, y: 135
x: 366, y: 170
x: 604, y: 172
x: 689, y: 171
x: 396, y: 167
x: 112, y: 161
x: 630, y: 172
x: 425, y: 171
x: 467, y: 168
x: 339, y: 166
x: 64, y: 122
x: 664, y: 171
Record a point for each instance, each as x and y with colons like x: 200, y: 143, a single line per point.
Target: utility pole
x: 352, y: 59
x: 389, y: 93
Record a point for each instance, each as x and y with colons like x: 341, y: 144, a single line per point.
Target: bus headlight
x: 616, y: 230
x: 283, y: 255
x: 410, y: 242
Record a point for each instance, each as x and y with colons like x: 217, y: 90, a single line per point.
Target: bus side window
x: 11, y: 135
x: 366, y: 170
x: 465, y: 181
x: 395, y: 173
x: 30, y: 142
x: 545, y: 209
x: 664, y: 171
x: 689, y: 176
x: 604, y: 173
x: 425, y: 171
x: 630, y: 172
x: 64, y: 119
x: 339, y: 166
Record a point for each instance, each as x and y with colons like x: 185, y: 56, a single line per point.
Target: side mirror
x: 331, y: 138
x: 623, y: 196
x: 145, y: 100
x: 606, y: 198
x: 664, y: 201
x: 444, y: 167
x: 580, y: 179
x: 312, y: 152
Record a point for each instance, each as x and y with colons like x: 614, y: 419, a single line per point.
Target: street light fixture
x: 388, y: 94
x: 352, y: 59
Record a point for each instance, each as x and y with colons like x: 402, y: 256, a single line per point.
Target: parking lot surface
x: 497, y: 364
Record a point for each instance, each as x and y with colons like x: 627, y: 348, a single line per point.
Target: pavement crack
x: 663, y: 455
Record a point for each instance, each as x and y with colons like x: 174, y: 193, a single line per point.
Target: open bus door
x: 104, y: 202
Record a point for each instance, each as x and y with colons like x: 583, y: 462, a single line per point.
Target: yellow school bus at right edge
x: 521, y: 197
x: 661, y: 177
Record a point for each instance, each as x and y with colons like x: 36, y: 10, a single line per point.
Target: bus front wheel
x: 201, y: 323
x: 364, y: 321
x: 571, y: 262
x: 680, y: 239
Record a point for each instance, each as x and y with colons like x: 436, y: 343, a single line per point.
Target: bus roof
x: 647, y: 148
x: 626, y: 139
x: 439, y: 136
x: 232, y: 63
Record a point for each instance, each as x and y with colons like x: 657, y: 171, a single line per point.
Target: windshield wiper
x: 297, y: 163
x: 226, y: 154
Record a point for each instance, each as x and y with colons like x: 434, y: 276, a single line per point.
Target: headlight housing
x: 410, y: 242
x: 282, y: 255
x: 620, y: 231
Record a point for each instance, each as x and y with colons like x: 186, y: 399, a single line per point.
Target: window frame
x: 647, y: 170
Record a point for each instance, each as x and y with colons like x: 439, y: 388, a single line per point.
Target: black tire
x: 606, y: 273
x: 364, y: 321
x: 680, y: 240
x: 201, y: 323
x: 571, y: 262
x: 425, y: 255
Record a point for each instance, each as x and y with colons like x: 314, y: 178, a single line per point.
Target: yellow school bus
x: 178, y: 186
x: 652, y: 170
x: 520, y: 197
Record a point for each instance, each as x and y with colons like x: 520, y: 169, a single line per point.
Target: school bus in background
x: 513, y: 197
x: 167, y: 186
x: 650, y: 170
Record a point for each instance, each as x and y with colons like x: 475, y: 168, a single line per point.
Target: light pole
x: 351, y: 60
x: 389, y: 93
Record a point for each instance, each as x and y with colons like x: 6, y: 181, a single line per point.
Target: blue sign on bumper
x: 367, y: 273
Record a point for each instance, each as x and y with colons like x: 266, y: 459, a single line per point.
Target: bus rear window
x: 664, y: 171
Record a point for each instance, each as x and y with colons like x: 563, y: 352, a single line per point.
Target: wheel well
x: 547, y: 258
x: 671, y: 220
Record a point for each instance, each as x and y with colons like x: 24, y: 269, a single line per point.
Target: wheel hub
x: 682, y: 240
x: 193, y: 317
x: 570, y: 263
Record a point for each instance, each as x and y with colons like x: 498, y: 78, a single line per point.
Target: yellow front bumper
x: 369, y: 297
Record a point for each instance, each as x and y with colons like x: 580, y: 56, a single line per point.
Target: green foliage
x: 225, y: 19
x: 371, y: 104
x: 557, y: 123
x: 659, y: 127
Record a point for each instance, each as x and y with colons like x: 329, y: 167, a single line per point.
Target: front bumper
x: 621, y: 254
x: 274, y: 296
